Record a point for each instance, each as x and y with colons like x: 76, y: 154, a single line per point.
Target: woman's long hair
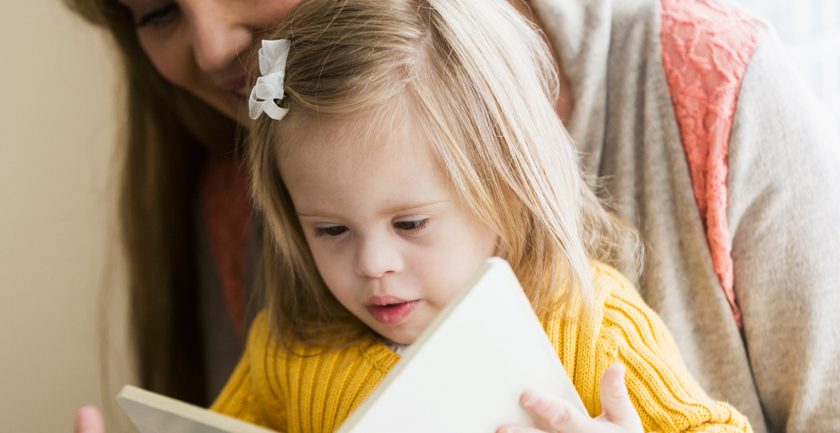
x: 167, y: 134
x: 483, y: 84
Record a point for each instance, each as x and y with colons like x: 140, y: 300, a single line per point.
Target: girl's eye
x: 159, y: 17
x: 411, y: 226
x: 330, y: 231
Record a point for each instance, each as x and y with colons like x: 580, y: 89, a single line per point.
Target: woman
x: 184, y: 207
x: 685, y: 110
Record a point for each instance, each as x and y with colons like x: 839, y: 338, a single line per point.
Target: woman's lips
x: 238, y: 87
x: 394, y: 313
x: 234, y: 84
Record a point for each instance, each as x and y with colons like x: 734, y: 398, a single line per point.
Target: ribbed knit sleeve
x: 244, y: 396
x: 301, y: 389
x: 622, y: 329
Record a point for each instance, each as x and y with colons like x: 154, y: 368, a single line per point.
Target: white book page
x: 154, y: 413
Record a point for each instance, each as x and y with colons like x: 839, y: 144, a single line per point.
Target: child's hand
x: 553, y: 415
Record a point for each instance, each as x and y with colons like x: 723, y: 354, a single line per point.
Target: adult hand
x: 554, y: 415
x: 89, y: 420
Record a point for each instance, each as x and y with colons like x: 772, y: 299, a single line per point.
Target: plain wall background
x: 810, y: 29
x: 58, y: 96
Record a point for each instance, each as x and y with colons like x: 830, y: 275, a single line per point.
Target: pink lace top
x: 706, y: 47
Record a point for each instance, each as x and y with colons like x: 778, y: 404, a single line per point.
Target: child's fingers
x: 553, y: 414
x: 615, y: 400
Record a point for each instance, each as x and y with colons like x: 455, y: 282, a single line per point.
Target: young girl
x: 403, y: 143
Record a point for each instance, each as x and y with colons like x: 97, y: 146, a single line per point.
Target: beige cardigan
x: 783, y: 211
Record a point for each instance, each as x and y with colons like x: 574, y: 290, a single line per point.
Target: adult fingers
x: 89, y: 420
x: 615, y: 400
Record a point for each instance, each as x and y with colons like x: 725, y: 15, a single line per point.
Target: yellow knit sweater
x: 316, y: 392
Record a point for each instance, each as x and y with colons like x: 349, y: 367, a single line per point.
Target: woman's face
x: 202, y: 46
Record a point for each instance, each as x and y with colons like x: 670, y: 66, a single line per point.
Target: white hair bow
x: 268, y: 91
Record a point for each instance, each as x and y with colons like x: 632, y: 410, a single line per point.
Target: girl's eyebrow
x: 411, y: 206
x: 402, y: 207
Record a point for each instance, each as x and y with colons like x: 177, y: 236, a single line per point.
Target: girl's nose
x: 220, y: 36
x: 378, y: 258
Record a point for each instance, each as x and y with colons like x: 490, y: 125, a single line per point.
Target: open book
x: 464, y: 374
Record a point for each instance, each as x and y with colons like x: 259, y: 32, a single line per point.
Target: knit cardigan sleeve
x: 623, y: 329
x: 784, y: 214
x: 242, y: 397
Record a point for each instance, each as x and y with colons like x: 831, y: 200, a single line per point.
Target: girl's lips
x: 392, y: 314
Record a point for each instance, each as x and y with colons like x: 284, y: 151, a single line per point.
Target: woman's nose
x: 220, y: 36
x: 377, y: 258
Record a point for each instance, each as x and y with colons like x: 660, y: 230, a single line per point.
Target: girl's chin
x: 401, y: 337
x: 399, y: 342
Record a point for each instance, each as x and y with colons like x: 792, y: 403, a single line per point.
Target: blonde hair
x: 483, y: 83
